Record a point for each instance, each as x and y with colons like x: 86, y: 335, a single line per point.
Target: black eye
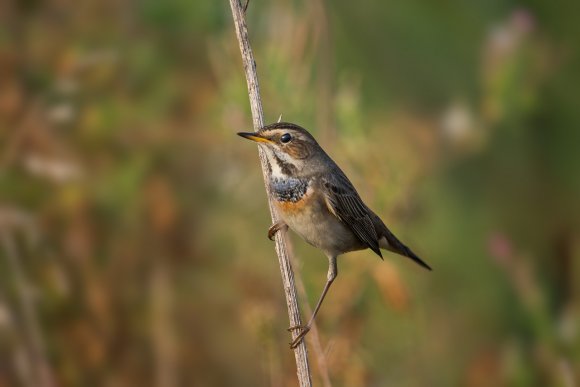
x: 286, y: 137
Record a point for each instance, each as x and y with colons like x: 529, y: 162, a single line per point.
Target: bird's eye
x: 286, y: 137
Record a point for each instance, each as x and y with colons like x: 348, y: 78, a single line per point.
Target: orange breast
x: 290, y: 208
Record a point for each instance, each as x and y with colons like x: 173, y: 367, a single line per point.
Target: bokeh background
x: 133, y: 247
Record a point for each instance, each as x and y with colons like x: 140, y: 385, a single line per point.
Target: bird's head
x: 290, y: 149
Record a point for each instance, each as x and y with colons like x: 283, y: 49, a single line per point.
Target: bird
x: 314, y: 198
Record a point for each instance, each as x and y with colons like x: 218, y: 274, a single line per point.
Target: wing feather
x: 344, y: 202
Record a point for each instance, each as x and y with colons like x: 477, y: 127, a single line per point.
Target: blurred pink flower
x: 500, y: 247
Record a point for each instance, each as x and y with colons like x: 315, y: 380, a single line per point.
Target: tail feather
x: 391, y: 243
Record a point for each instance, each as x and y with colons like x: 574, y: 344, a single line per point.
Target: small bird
x: 313, y: 197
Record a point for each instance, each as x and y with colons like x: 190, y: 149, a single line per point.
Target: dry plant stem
x: 300, y: 352
x: 38, y: 363
x: 313, y: 335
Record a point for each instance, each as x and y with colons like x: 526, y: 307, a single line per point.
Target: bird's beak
x: 254, y: 137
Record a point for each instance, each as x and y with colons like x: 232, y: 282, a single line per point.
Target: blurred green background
x: 133, y: 247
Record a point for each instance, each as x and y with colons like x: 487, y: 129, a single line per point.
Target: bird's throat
x: 288, y: 189
x: 278, y: 165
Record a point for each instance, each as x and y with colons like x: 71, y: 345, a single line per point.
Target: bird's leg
x: 332, y: 273
x: 275, y: 228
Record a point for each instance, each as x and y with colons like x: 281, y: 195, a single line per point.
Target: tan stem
x: 300, y: 352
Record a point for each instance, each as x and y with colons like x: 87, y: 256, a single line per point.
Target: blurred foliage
x: 133, y: 220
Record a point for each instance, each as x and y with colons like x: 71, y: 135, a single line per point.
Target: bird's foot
x: 295, y: 327
x: 304, y: 329
x: 275, y: 228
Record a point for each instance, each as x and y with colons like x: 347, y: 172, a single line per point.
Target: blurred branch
x: 300, y: 352
x: 37, y: 361
x: 162, y: 330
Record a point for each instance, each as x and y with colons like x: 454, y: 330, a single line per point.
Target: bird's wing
x: 344, y: 203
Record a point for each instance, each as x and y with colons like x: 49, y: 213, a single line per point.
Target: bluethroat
x: 314, y: 198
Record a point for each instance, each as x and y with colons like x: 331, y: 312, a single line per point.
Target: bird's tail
x: 390, y: 242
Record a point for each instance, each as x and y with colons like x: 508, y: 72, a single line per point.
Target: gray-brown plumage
x: 316, y: 200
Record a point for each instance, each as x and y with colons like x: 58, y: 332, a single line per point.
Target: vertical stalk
x: 300, y: 352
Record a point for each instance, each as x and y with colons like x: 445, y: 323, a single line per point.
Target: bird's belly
x: 311, y: 219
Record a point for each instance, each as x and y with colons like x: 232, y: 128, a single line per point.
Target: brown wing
x: 343, y: 201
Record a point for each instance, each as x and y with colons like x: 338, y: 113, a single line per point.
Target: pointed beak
x: 254, y: 137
